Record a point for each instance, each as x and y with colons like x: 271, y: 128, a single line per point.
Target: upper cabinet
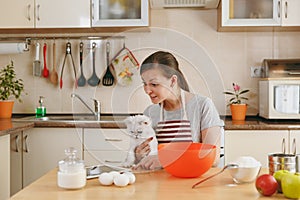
x: 237, y: 13
x: 45, y: 14
x: 17, y: 14
x: 120, y: 13
x: 62, y: 14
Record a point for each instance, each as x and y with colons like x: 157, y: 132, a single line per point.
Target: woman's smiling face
x: 156, y: 85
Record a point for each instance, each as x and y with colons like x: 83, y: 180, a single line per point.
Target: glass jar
x: 72, y: 173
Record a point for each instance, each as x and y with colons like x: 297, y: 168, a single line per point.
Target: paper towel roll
x: 12, y: 48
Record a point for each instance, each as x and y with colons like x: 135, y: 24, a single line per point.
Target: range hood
x: 207, y: 4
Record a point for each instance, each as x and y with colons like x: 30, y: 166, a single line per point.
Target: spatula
x: 53, y: 74
x: 81, y: 80
x: 45, y: 71
x: 108, y: 78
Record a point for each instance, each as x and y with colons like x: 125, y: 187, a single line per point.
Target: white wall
x: 205, y: 56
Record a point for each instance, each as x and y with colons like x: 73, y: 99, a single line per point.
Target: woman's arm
x: 212, y: 136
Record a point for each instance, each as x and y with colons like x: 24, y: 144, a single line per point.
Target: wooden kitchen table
x: 154, y: 185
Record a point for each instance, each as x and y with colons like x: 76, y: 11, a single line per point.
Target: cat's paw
x: 127, y: 164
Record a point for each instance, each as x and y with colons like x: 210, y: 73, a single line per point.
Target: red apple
x: 266, y: 184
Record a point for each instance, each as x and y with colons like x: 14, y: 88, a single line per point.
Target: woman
x: 196, y: 117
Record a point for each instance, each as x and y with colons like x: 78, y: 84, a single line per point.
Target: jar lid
x: 71, y: 163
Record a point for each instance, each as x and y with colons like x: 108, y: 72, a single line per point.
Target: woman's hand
x: 142, y: 150
x: 148, y: 163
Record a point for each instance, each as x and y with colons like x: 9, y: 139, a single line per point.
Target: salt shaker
x: 72, y: 173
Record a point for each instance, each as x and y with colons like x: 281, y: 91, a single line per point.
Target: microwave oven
x: 279, y: 98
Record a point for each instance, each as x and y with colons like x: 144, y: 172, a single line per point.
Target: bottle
x: 72, y: 172
x: 40, y: 111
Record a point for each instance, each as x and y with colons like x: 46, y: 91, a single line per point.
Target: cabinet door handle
x: 294, y: 150
x: 38, y: 12
x: 93, y: 7
x: 17, y: 143
x: 278, y: 9
x: 25, y: 144
x: 286, y: 9
x: 28, y: 12
x: 113, y: 140
x: 283, y: 146
x: 112, y: 161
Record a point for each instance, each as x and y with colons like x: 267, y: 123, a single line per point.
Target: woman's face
x: 156, y: 85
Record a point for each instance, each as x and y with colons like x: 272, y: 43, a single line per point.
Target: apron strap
x: 162, y: 117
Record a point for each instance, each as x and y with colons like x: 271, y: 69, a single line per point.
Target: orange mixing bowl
x: 186, y: 159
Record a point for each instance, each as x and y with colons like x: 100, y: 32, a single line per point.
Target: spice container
x: 72, y: 173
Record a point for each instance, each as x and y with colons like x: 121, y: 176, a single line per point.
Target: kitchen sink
x: 76, y: 118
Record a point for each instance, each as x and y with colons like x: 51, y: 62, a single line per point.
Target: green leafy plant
x: 237, y: 94
x: 9, y: 84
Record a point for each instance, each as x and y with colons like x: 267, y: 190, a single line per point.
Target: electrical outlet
x: 256, y: 72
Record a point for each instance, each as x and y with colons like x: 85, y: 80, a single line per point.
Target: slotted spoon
x: 108, y: 78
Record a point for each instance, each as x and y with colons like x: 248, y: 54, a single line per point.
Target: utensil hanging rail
x: 29, y: 39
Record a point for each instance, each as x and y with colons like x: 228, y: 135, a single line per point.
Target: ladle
x: 94, y: 80
x: 225, y: 167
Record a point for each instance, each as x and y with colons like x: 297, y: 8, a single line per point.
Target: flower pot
x: 6, y: 108
x: 238, y: 111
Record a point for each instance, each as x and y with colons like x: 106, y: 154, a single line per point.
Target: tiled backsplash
x: 210, y: 60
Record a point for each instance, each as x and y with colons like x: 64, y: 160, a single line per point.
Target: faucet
x: 97, y: 111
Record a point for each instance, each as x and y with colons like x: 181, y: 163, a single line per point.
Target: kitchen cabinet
x: 44, y: 147
x: 45, y: 14
x: 241, y: 13
x: 105, y: 146
x: 16, y: 162
x: 4, y: 167
x: 255, y: 143
x: 120, y: 13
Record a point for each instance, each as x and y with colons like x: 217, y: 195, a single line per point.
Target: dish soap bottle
x: 72, y: 172
x: 40, y: 111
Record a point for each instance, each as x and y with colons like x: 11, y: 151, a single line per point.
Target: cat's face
x: 137, y: 124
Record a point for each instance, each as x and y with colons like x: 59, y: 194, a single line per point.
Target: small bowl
x: 244, y: 174
x: 186, y: 159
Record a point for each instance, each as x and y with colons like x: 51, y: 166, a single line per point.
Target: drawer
x: 115, y: 158
x: 106, y: 139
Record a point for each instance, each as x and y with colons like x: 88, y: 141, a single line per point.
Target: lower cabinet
x: 40, y: 151
x: 295, y: 136
x: 255, y: 143
x: 16, y: 162
x: 4, y: 167
x: 105, y: 146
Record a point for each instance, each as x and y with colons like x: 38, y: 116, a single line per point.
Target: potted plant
x: 10, y: 86
x: 237, y: 106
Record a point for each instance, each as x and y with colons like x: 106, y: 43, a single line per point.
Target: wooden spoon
x: 53, y: 74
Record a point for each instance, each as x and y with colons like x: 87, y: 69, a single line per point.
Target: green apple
x: 278, y: 175
x: 290, y: 184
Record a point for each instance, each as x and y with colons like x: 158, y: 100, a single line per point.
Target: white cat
x: 139, y: 128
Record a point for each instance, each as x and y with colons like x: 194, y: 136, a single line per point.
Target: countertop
x: 251, y: 123
x: 151, y: 185
x: 7, y: 126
